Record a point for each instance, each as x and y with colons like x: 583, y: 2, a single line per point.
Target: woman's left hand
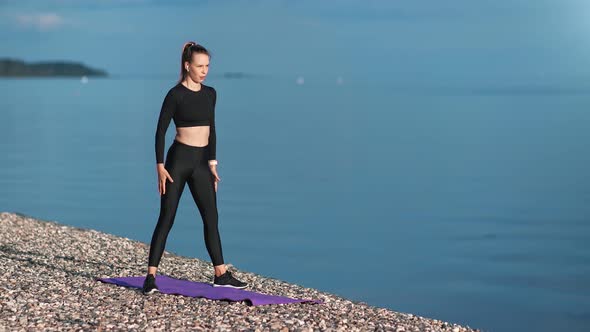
x: 214, y: 172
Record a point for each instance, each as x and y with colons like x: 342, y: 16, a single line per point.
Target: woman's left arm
x: 212, y: 134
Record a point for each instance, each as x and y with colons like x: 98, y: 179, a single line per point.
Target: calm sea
x: 465, y: 204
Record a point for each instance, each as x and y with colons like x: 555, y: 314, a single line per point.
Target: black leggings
x: 188, y: 164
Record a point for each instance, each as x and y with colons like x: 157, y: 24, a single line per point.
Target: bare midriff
x: 195, y: 136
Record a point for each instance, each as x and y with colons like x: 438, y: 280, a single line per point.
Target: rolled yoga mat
x: 169, y: 285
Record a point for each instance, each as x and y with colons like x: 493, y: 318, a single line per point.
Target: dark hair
x: 188, y: 50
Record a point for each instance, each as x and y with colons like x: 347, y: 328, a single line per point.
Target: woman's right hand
x: 162, y: 176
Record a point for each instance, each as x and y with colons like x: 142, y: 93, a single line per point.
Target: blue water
x: 465, y: 204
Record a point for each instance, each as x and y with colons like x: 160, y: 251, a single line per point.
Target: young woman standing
x: 191, y: 159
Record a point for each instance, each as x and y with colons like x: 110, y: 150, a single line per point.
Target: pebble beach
x: 48, y: 282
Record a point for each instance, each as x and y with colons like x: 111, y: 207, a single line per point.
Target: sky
x: 459, y: 38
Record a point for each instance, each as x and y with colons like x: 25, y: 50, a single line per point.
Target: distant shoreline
x: 12, y: 67
x: 17, y: 68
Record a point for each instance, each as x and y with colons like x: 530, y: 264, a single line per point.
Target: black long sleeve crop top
x: 187, y: 108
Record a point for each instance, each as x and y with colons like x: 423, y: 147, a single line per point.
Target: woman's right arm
x: 166, y: 114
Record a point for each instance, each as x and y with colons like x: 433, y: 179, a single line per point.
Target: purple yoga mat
x: 169, y: 285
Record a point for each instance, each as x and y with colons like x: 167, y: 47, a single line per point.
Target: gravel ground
x: 47, y: 282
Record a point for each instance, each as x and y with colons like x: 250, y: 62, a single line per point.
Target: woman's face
x: 199, y: 67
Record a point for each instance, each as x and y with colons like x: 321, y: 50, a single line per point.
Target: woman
x: 190, y: 159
